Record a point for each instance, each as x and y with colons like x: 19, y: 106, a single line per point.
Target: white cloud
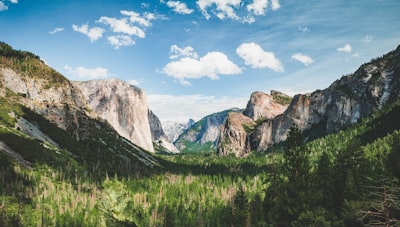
x: 136, y: 18
x: 122, y: 26
x: 177, y: 52
x: 210, y: 65
x: 3, y: 7
x: 93, y: 33
x: 181, y: 108
x: 134, y: 82
x: 56, y: 30
x: 346, y: 48
x: 275, y: 4
x: 258, y: 7
x: 14, y: 1
x: 224, y: 8
x: 87, y: 73
x: 179, y: 7
x: 120, y: 40
x: 368, y: 39
x: 306, y: 60
x: 256, y: 57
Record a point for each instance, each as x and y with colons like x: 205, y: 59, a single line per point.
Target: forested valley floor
x: 350, y: 178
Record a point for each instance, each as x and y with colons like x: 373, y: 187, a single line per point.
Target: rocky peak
x: 123, y: 106
x: 265, y: 106
x: 345, y: 102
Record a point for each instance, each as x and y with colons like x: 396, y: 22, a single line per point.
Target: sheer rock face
x: 345, y: 102
x: 158, y: 135
x: 60, y: 103
x: 235, y: 139
x: 238, y: 135
x: 123, y: 106
x: 263, y: 106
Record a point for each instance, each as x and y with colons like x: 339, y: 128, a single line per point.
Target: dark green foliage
x: 350, y: 178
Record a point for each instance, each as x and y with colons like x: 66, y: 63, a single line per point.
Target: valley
x: 93, y: 154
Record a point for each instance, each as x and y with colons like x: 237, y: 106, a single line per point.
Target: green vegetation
x: 282, y: 99
x: 30, y: 65
x: 338, y: 180
x: 350, y: 178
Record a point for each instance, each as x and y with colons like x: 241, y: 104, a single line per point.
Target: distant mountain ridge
x: 345, y: 102
x: 203, y: 135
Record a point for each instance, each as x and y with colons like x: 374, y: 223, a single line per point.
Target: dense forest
x: 350, y: 178
x: 346, y: 179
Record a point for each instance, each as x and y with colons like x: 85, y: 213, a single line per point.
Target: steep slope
x: 266, y: 106
x: 345, y: 102
x: 123, y: 106
x: 160, y: 139
x: 45, y: 119
x: 237, y: 132
x: 204, y: 134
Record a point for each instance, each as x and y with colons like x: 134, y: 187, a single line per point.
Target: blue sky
x: 194, y: 58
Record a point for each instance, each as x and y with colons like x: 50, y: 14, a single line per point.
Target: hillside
x: 343, y: 103
x: 61, y: 165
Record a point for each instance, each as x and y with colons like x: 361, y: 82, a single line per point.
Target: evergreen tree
x: 240, y: 208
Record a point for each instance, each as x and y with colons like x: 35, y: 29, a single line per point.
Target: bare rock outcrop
x: 345, y: 102
x: 123, y: 106
x: 159, y: 138
x: 235, y: 139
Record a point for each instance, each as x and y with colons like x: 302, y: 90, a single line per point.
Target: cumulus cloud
x: 180, y: 108
x: 3, y: 7
x: 177, y: 52
x: 122, y: 29
x: 224, y: 8
x: 144, y: 20
x: 118, y: 41
x: 56, y: 30
x: 87, y: 73
x: 306, y: 60
x: 122, y: 26
x: 346, y: 48
x: 14, y: 1
x: 210, y: 65
x: 232, y: 9
x: 179, y: 7
x: 275, y: 4
x: 93, y: 33
x: 256, y: 57
x: 258, y: 7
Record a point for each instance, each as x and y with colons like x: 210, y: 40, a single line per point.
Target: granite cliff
x: 236, y: 132
x: 122, y: 105
x: 346, y: 101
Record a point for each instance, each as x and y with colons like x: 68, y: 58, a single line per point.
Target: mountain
x: 160, y: 139
x: 345, y: 102
x: 235, y: 131
x: 46, y: 118
x: 204, y: 134
x: 174, y: 129
x: 122, y: 105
